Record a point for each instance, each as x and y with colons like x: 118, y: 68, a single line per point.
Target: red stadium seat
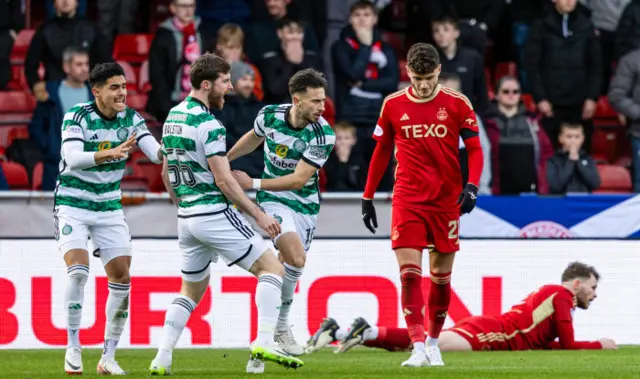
x: 21, y: 45
x: 506, y: 68
x: 17, y: 133
x: 528, y: 102
x: 402, y: 66
x: 16, y: 175
x: 18, y: 80
x: 624, y: 161
x: 137, y: 101
x: 18, y: 102
x: 488, y: 79
x: 134, y: 179
x: 131, y: 75
x: 36, y: 178
x: 152, y: 172
x: 329, y: 113
x: 604, y: 109
x: 143, y: 79
x: 396, y: 41
x: 604, y: 144
x: 614, y: 179
x: 132, y: 48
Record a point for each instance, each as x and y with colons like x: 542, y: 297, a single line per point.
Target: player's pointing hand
x: 122, y: 150
x: 369, y: 215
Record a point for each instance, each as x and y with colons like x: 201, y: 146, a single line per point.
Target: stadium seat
x: 604, y: 144
x: 36, y: 178
x: 152, y: 172
x: 506, y: 68
x: 16, y: 175
x: 134, y: 179
x: 17, y: 102
x: 144, y: 85
x: 528, y: 102
x: 17, y: 133
x: 21, y: 45
x: 605, y: 116
x: 329, y: 113
x: 623, y: 161
x: 614, y: 179
x: 396, y: 40
x: 137, y: 101
x: 131, y: 75
x: 488, y: 79
x: 18, y: 80
x: 402, y: 66
x: 132, y: 48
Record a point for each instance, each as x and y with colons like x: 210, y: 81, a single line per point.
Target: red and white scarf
x: 190, y: 52
x: 377, y: 61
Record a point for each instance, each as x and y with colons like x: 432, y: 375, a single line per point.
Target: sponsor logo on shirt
x: 424, y: 131
x: 282, y: 150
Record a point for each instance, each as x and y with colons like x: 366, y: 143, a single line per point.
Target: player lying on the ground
x: 534, y: 324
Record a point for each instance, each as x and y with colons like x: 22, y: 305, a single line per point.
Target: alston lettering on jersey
x: 172, y: 129
x: 424, y: 131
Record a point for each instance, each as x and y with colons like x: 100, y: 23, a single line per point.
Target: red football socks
x: 392, y: 339
x: 438, y: 302
x: 413, y: 301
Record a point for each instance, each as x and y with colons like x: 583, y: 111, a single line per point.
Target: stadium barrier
x: 28, y: 215
x: 343, y: 279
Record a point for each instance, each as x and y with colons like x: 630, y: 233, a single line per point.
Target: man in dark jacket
x: 571, y: 169
x: 262, y: 35
x: 11, y: 21
x: 52, y: 38
x: 564, y: 68
x: 238, y: 115
x: 177, y: 43
x: 627, y: 35
x: 624, y: 96
x: 366, y: 71
x: 45, y: 126
x: 462, y: 61
x: 278, y: 66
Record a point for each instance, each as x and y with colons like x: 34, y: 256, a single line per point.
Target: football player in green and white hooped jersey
x: 96, y: 139
x: 198, y: 178
x: 298, y: 142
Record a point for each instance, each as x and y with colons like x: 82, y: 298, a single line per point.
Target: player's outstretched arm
x: 377, y: 168
x: 219, y: 165
x: 291, y: 182
x: 245, y: 145
x: 167, y: 182
x: 564, y: 327
x: 149, y: 146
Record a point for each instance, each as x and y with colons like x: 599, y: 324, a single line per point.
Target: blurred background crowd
x: 554, y: 83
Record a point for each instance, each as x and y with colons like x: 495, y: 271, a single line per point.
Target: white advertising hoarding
x: 343, y: 279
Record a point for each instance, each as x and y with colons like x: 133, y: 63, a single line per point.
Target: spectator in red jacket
x: 519, y: 146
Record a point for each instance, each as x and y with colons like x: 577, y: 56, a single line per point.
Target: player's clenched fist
x: 467, y: 199
x: 608, y: 344
x: 268, y: 224
x: 369, y: 215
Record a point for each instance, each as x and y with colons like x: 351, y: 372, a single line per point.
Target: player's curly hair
x: 423, y: 58
x: 578, y: 270
x: 207, y: 67
x: 307, y: 78
x: 103, y: 72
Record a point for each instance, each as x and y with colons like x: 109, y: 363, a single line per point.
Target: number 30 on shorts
x: 454, y: 230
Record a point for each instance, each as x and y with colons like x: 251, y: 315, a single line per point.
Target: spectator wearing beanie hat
x: 238, y: 115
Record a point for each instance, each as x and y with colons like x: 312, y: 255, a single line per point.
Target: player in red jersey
x: 425, y: 121
x: 534, y: 324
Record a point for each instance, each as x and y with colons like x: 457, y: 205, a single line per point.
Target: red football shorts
x: 423, y: 229
x: 482, y: 332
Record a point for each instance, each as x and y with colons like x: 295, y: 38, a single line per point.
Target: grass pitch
x: 358, y: 363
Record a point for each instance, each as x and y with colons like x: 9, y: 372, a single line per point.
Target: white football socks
x: 268, y: 301
x: 77, y: 276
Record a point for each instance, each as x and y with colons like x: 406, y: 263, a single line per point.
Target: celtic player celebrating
x: 298, y: 142
x: 197, y: 176
x: 96, y: 139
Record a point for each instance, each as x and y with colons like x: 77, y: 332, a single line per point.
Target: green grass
x: 358, y: 363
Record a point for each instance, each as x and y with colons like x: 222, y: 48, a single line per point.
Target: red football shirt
x: 427, y: 137
x: 533, y: 324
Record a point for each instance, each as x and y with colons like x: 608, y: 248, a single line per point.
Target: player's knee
x: 267, y: 264
x: 298, y: 261
x: 120, y: 277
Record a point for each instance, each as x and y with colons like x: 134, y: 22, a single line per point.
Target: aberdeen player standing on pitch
x: 426, y: 122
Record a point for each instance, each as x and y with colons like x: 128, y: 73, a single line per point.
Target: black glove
x: 467, y: 199
x: 369, y: 215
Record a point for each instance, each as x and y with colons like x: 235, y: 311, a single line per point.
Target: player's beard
x: 424, y: 96
x: 216, y: 101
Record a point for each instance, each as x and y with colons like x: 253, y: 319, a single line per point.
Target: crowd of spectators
x: 542, y: 76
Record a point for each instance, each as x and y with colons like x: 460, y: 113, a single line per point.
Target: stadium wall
x: 343, y: 279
